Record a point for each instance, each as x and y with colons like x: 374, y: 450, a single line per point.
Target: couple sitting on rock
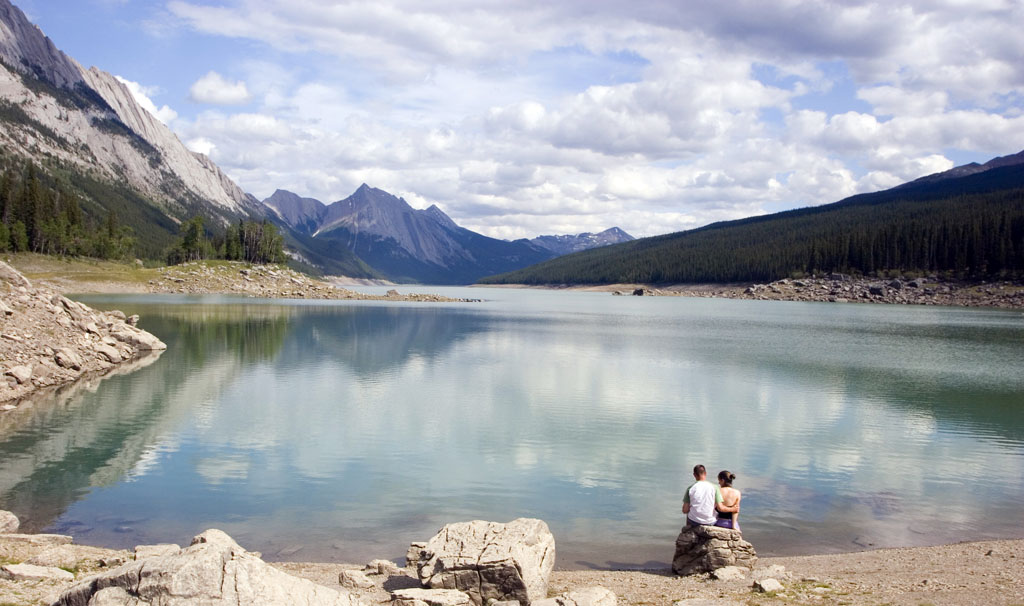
x: 706, y: 504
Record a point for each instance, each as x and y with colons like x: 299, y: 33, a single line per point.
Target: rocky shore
x: 266, y: 281
x: 48, y: 340
x: 841, y: 288
x: 488, y: 564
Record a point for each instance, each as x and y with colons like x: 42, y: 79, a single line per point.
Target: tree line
x: 973, y: 235
x: 251, y: 241
x: 47, y: 218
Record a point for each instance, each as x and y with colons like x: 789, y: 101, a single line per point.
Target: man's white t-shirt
x: 702, y: 497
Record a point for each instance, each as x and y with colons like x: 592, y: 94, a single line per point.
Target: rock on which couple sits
x: 491, y: 561
x: 213, y: 570
x: 706, y: 548
x: 588, y: 596
x: 8, y: 522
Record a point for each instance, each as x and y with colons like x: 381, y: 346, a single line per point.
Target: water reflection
x: 328, y: 431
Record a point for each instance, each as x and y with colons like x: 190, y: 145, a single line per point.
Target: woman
x: 728, y: 510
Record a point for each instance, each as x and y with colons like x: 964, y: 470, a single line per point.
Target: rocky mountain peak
x: 25, y: 48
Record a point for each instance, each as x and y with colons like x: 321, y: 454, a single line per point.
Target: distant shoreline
x: 836, y: 289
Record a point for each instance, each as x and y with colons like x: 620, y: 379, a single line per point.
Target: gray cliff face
x: 564, y: 245
x: 103, y: 129
x: 304, y: 214
x: 24, y: 48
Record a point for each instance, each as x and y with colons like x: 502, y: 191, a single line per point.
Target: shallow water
x: 342, y: 431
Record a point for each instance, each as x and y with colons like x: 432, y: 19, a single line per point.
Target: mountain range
x: 425, y: 245
x: 85, y: 130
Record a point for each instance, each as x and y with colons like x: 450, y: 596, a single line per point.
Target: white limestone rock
x: 8, y: 522
x: 429, y: 597
x: 489, y: 560
x: 212, y: 571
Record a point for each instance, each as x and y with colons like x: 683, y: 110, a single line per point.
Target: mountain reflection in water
x: 344, y: 431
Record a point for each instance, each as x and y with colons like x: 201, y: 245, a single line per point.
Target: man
x: 700, y: 500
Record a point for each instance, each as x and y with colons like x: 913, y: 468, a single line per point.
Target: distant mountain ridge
x: 969, y: 226
x: 564, y: 245
x: 425, y: 245
x: 965, y: 170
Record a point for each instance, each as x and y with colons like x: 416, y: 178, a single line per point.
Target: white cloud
x: 141, y: 94
x: 524, y: 118
x: 215, y: 89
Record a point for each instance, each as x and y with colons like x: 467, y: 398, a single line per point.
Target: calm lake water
x: 342, y: 431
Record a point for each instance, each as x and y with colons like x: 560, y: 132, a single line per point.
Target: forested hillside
x: 970, y: 227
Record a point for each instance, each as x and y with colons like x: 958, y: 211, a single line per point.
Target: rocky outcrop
x: 212, y: 570
x: 707, y: 548
x: 266, y: 281
x: 429, y: 597
x: 31, y: 572
x: 491, y: 561
x: 48, y: 339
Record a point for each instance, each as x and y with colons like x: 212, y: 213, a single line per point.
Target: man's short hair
x: 699, y: 470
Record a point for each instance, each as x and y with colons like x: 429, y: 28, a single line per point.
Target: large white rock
x: 491, y: 561
x: 212, y: 571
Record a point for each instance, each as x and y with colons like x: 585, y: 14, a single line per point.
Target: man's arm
x: 686, y: 501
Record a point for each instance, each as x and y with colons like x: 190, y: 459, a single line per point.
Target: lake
x: 341, y: 431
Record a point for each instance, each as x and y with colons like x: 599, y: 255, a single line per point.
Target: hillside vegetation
x: 970, y: 227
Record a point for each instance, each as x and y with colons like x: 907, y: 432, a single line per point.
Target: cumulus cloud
x: 142, y: 94
x: 215, y: 89
x: 523, y: 118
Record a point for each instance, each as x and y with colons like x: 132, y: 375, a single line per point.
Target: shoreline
x: 982, y: 572
x: 835, y: 288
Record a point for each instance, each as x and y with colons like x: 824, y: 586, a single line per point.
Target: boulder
x: 588, y: 596
x: 108, y: 353
x: 212, y: 570
x: 415, y: 553
x: 429, y: 597
x: 768, y: 586
x: 31, y: 572
x: 21, y: 374
x: 876, y: 289
x: 137, y: 338
x: 8, y: 522
x: 491, y: 561
x: 638, y: 292
x: 65, y: 357
x: 354, y: 579
x: 58, y: 556
x: 385, y: 567
x: 707, y: 548
x: 729, y: 573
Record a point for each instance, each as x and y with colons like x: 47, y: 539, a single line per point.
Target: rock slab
x: 490, y: 560
x: 213, y: 570
x: 708, y: 548
x: 31, y: 572
x: 429, y: 597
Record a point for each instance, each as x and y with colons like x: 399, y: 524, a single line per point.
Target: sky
x: 520, y: 118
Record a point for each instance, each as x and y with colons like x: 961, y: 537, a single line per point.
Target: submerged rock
x: 491, y: 561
